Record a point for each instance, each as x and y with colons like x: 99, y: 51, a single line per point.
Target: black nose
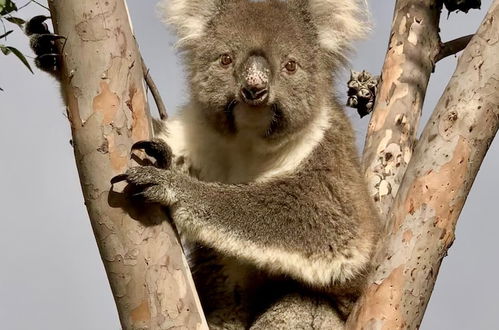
x: 255, y: 77
x: 254, y: 94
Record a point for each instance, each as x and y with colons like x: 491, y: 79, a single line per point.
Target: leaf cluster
x: 7, y: 19
x: 462, y: 5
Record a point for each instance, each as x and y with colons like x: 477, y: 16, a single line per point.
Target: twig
x: 4, y: 29
x: 452, y: 47
x: 163, y: 114
x: 26, y: 4
x: 39, y: 4
x: 30, y: 2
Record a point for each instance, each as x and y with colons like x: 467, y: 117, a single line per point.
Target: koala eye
x: 290, y: 66
x: 225, y: 60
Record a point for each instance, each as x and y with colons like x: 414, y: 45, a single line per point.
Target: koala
x: 259, y: 170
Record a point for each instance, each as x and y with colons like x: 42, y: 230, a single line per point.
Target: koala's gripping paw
x: 149, y: 183
x: 42, y: 41
x: 158, y: 149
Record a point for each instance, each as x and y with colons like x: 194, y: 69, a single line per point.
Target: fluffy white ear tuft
x: 188, y: 17
x: 339, y: 23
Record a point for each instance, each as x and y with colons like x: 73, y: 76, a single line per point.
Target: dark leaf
x: 16, y: 20
x: 6, y: 34
x: 7, y: 50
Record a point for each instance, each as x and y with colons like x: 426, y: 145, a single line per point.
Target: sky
x: 51, y: 275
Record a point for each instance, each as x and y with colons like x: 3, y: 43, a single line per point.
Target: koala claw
x: 119, y: 178
x: 49, y: 62
x: 43, y: 43
x: 37, y: 25
x: 139, y: 176
x: 148, y: 183
x: 157, y: 149
x: 40, y: 43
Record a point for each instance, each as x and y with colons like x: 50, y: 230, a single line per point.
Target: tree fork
x: 103, y: 86
x: 435, y: 187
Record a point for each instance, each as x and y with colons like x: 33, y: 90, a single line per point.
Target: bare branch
x: 163, y: 113
x: 435, y: 187
x: 392, y: 130
x: 453, y: 47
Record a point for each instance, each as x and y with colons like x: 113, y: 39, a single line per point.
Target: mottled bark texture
x: 103, y: 87
x: 434, y: 189
x: 409, y: 62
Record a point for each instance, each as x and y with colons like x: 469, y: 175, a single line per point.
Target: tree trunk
x: 103, y: 87
x: 434, y: 189
x: 414, y: 43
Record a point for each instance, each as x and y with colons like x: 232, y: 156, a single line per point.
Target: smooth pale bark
x: 435, y: 187
x: 391, y: 135
x: 103, y: 86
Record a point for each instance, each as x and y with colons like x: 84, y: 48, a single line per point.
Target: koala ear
x: 188, y: 17
x: 339, y: 23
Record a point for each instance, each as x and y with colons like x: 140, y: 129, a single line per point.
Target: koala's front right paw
x: 42, y: 41
x: 150, y: 184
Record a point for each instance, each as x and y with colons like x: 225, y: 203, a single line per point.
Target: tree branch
x: 108, y: 112
x: 163, y: 113
x: 435, y: 187
x: 453, y: 47
x: 392, y: 130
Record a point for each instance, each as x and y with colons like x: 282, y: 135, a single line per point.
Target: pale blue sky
x: 51, y: 275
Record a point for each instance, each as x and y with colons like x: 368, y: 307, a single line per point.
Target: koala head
x: 263, y: 66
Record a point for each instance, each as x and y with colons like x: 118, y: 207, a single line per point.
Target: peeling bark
x: 434, y: 189
x: 103, y: 85
x: 409, y: 62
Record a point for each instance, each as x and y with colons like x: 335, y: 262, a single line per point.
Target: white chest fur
x: 242, y: 158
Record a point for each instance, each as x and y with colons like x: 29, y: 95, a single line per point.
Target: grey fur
x: 320, y: 211
x: 299, y: 312
x: 281, y: 251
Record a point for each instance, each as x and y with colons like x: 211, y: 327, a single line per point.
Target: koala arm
x: 280, y: 225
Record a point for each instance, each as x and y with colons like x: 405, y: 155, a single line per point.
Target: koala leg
x: 225, y: 286
x: 299, y: 312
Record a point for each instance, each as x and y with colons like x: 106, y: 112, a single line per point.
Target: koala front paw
x: 158, y: 149
x: 42, y: 41
x: 149, y: 183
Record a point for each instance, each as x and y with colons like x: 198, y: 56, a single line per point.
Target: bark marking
x: 140, y: 124
x: 381, y: 311
x: 141, y: 313
x: 441, y: 190
x: 106, y: 103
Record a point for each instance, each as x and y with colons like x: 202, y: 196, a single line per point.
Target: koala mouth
x: 276, y: 127
x: 255, y: 96
x: 229, y: 107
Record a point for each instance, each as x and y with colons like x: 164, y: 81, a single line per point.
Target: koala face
x: 258, y: 69
x: 262, y: 66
